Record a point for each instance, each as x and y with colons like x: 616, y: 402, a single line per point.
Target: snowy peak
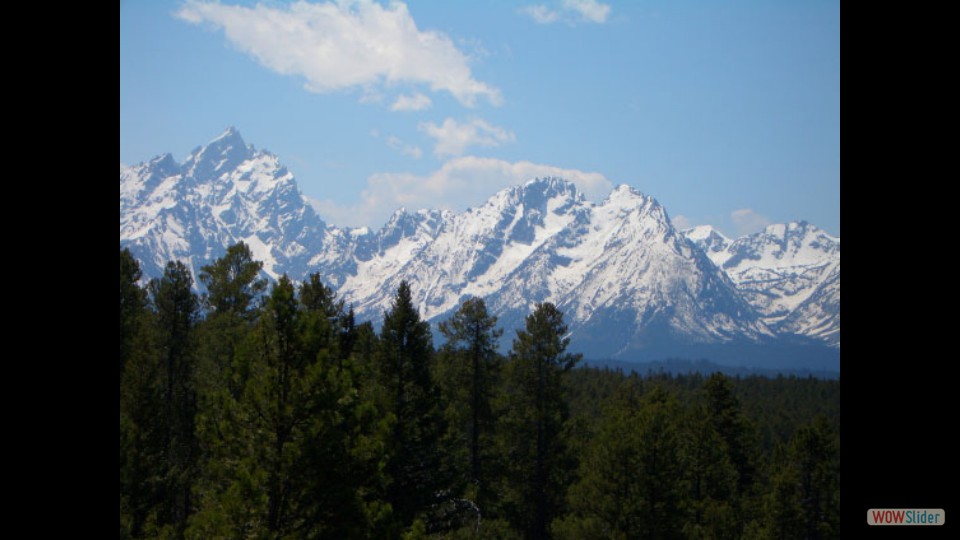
x: 402, y: 225
x: 707, y: 236
x: 224, y: 192
x: 711, y: 241
x: 631, y: 284
x: 538, y: 196
x: 224, y: 153
x: 624, y: 195
x: 543, y: 241
x: 550, y: 187
x: 789, y: 272
x: 779, y: 245
x: 145, y: 177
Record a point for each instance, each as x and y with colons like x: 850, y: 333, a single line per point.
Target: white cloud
x: 406, y: 149
x: 682, y: 222
x: 747, y: 221
x: 541, y: 14
x: 343, y: 45
x: 570, y: 11
x: 461, y: 182
x: 453, y: 138
x: 589, y: 10
x: 416, y: 102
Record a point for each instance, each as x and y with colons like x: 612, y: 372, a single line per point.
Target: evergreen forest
x: 264, y: 410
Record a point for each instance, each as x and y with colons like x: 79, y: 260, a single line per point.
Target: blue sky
x: 727, y: 112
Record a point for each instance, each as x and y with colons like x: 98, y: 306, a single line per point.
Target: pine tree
x: 628, y: 481
x: 234, y: 287
x: 534, y: 416
x: 469, y: 372
x: 321, y: 313
x: 709, y: 479
x: 135, y: 400
x: 140, y: 434
x: 804, y: 499
x: 132, y: 304
x: 410, y: 396
x: 348, y: 333
x: 724, y: 413
x: 158, y: 449
x: 233, y: 281
x: 176, y: 308
x: 783, y: 515
x: 291, y: 452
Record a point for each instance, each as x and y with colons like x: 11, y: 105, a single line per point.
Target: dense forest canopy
x: 265, y: 411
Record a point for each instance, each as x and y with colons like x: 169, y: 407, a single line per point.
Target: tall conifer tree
x: 414, y: 460
x: 534, y: 418
x: 469, y: 371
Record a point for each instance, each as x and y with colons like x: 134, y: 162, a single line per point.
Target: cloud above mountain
x: 570, y: 11
x: 453, y: 137
x: 356, y: 44
x: 458, y: 184
x: 748, y: 221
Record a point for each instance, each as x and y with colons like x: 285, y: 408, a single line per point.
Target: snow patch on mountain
x: 224, y: 192
x: 630, y: 283
x: 789, y: 272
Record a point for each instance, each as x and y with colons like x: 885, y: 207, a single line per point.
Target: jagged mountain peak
x: 713, y: 242
x: 231, y: 135
x: 797, y: 230
x: 630, y: 283
x: 403, y: 224
x: 789, y: 272
x: 624, y: 198
x: 536, y: 192
x: 793, y: 243
x: 225, y: 192
x: 704, y: 232
x: 224, y: 153
x: 624, y: 192
x: 551, y: 185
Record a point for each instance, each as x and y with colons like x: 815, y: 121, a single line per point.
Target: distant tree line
x: 266, y: 411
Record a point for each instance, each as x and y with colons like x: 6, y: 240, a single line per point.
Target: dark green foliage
x: 738, y: 439
x: 628, y: 478
x: 414, y: 467
x: 804, y: 497
x: 469, y: 370
x: 723, y: 412
x: 141, y: 443
x: 534, y: 420
x: 709, y: 478
x: 233, y: 281
x: 176, y: 309
x: 132, y: 303
x: 289, y: 450
x: 278, y: 416
x: 158, y: 400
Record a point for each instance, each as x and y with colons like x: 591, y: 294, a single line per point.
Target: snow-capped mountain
x: 632, y: 286
x: 225, y: 192
x: 789, y: 272
x: 618, y: 261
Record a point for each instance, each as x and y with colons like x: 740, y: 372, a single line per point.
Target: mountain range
x: 633, y: 287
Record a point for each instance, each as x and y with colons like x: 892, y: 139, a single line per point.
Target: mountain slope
x: 224, y: 192
x: 789, y: 272
x: 632, y: 286
x: 620, y: 261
